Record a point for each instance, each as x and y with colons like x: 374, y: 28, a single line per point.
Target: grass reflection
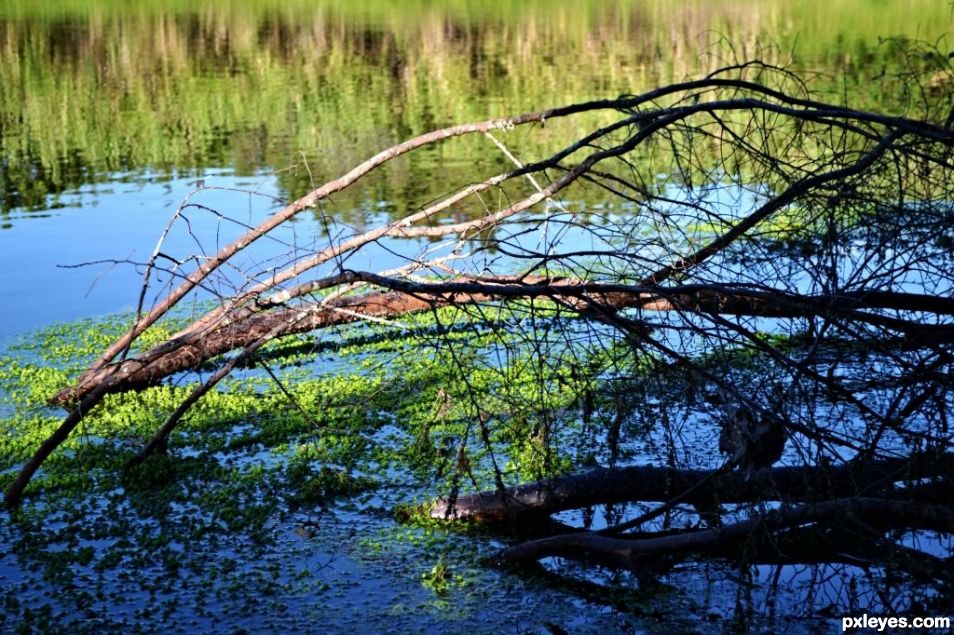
x: 92, y: 88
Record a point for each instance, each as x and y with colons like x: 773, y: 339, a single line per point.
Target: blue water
x: 84, y: 256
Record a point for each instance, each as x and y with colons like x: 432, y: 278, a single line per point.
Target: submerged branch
x: 647, y: 483
x: 638, y: 553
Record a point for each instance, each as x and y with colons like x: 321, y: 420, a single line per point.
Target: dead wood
x: 688, y: 286
x: 191, y: 350
x: 641, y: 553
x: 648, y: 483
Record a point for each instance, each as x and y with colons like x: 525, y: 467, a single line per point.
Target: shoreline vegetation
x: 102, y: 88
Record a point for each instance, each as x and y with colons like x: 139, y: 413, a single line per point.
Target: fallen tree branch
x: 634, y: 554
x: 650, y: 483
x: 872, y: 144
x: 406, y: 297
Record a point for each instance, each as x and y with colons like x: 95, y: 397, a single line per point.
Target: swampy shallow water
x: 111, y: 114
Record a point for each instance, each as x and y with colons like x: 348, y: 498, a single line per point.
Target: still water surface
x: 111, y: 113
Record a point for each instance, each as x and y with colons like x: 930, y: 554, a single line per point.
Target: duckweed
x: 378, y: 427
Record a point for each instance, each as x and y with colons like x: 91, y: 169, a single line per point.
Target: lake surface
x: 109, y: 114
x: 112, y: 113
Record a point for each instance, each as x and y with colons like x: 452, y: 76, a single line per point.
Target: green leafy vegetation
x: 249, y: 462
